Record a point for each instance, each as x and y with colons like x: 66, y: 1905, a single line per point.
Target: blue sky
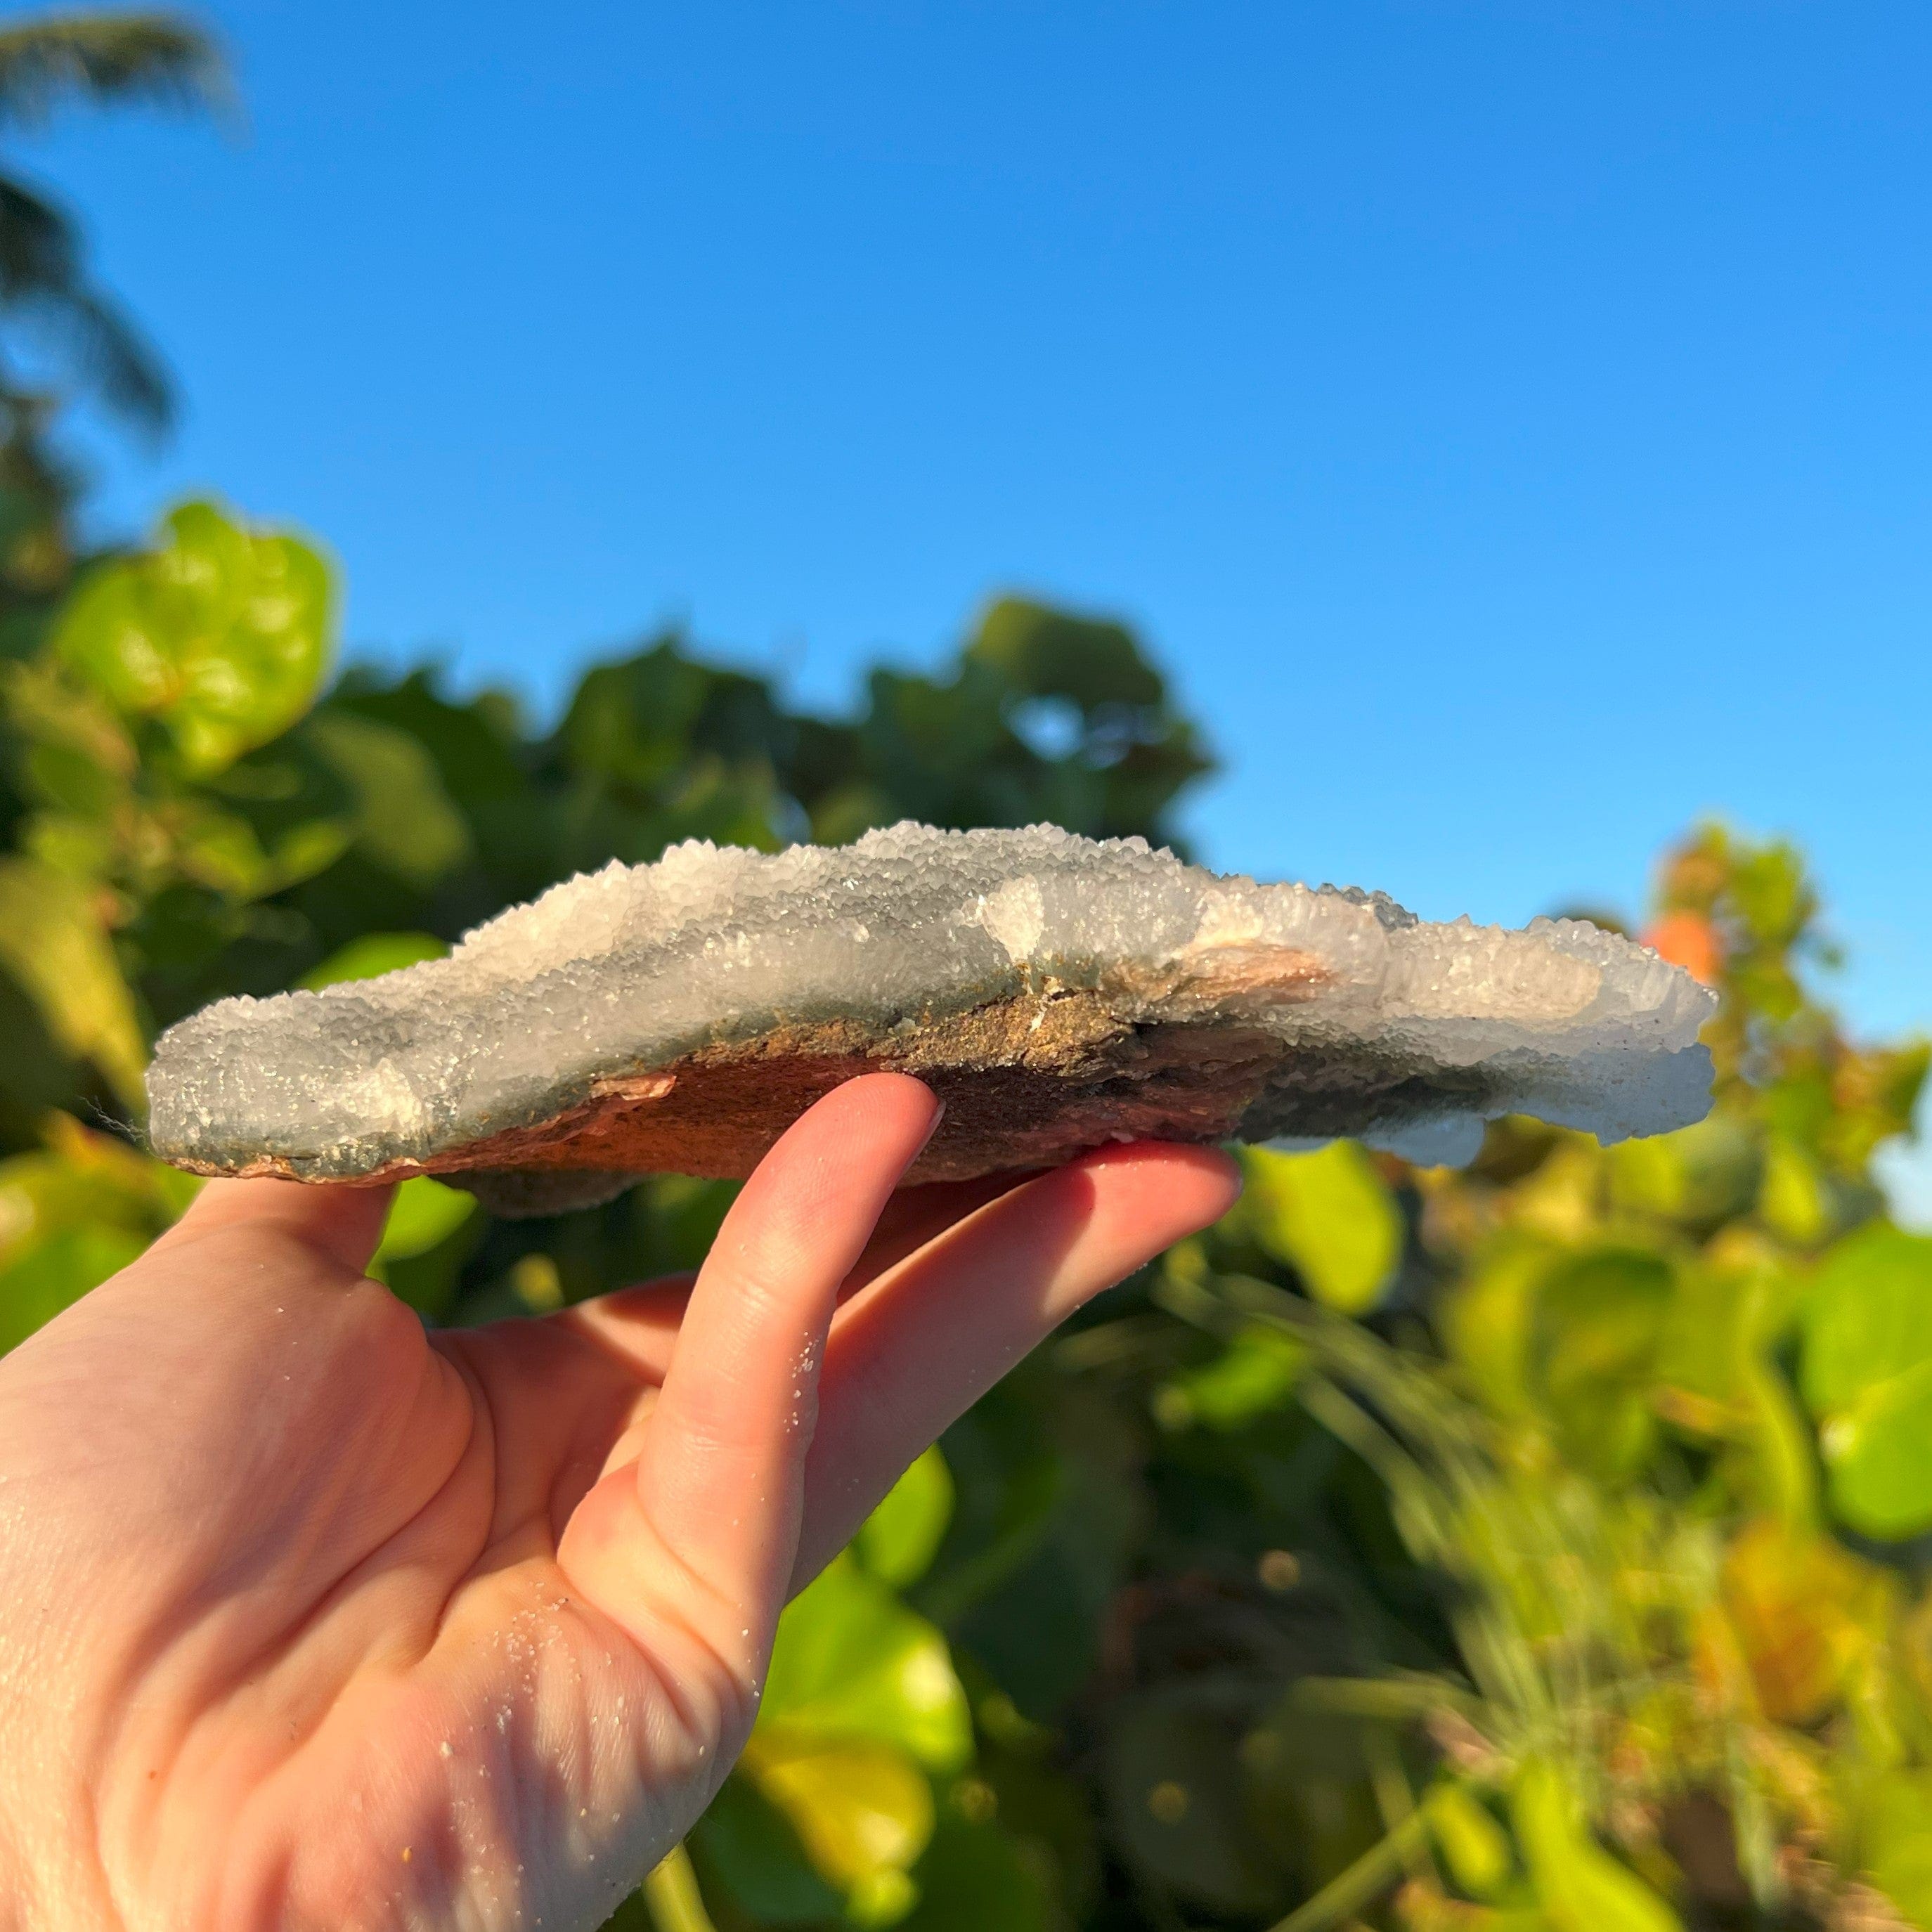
x: 1509, y: 423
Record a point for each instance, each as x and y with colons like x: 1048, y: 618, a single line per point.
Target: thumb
x: 342, y: 1222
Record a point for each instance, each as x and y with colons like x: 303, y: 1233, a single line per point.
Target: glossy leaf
x: 1580, y: 1887
x: 863, y: 1812
x: 1473, y: 1845
x: 425, y: 1212
x: 1329, y: 1215
x: 853, y: 1662
x: 221, y: 635
x: 54, y: 944
x: 1868, y: 1377
x: 373, y: 953
x: 896, y: 1543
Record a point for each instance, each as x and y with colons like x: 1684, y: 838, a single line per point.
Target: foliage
x: 1534, y: 1546
x: 61, y: 336
x: 1541, y: 1548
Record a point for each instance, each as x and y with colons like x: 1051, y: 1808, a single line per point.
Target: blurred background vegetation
x: 1540, y: 1548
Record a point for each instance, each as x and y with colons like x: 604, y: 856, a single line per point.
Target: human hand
x: 309, y: 1618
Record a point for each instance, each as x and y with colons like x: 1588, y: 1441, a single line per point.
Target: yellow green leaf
x: 1867, y: 1374
x: 372, y: 953
x: 863, y: 1812
x: 1329, y: 1216
x: 899, y: 1540
x: 1793, y: 1201
x: 853, y: 1662
x: 221, y: 634
x: 1474, y: 1846
x: 425, y: 1213
x: 1580, y: 1886
x: 52, y: 942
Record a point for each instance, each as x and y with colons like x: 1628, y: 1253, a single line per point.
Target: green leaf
x: 896, y: 1543
x: 1598, y: 1328
x: 1580, y: 1886
x: 1896, y: 1846
x: 432, y: 1231
x: 1256, y: 1374
x: 748, y: 1853
x: 221, y: 635
x: 52, y: 943
x: 1474, y: 1846
x: 1488, y: 1317
x: 1329, y: 1216
x: 1793, y: 1202
x: 862, y: 1811
x: 853, y: 1662
x: 425, y: 1213
x: 1049, y: 653
x: 975, y: 1877
x: 404, y: 821
x: 371, y: 954
x: 1867, y: 1376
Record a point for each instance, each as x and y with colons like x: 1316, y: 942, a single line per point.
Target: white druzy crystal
x: 1371, y: 1023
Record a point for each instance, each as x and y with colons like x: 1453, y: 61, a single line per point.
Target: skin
x: 309, y: 1618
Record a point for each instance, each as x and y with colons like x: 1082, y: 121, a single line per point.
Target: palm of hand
x: 308, y: 1618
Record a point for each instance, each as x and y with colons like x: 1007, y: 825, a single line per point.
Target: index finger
x: 719, y: 1478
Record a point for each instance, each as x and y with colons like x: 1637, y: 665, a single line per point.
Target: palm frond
x: 106, y: 56
x: 44, y: 279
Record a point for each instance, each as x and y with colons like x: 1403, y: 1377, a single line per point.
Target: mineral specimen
x: 1056, y: 993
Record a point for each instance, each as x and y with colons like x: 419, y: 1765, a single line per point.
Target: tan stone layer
x: 1027, y: 1081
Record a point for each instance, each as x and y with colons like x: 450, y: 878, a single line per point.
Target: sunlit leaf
x: 860, y: 1703
x: 853, y: 1662
x: 897, y: 1541
x: 221, y: 635
x: 425, y: 1212
x: 862, y: 1811
x: 1328, y: 1215
x: 1868, y: 1377
x: 52, y: 942
x: 373, y: 953
x: 1580, y: 1886
x: 1793, y: 1201
x: 1473, y: 1845
x: 747, y: 1850
x: 1487, y: 1320
x: 1255, y: 1375
x: 1897, y: 1845
x: 1805, y: 1610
